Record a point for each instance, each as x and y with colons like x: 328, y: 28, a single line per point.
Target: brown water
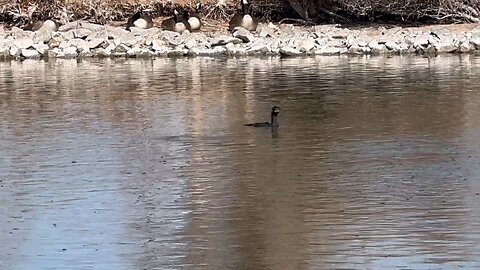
x: 147, y: 165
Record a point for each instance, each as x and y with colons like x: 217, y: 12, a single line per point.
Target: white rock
x: 264, y: 30
x: 445, y: 47
x: 327, y: 50
x: 42, y: 35
x: 109, y: 49
x: 466, y: 46
x: 70, y: 26
x: 158, y: 45
x: 392, y: 46
x: 55, y: 52
x: 23, y: 43
x: 82, y: 33
x: 14, y: 51
x: 355, y: 49
x: 70, y: 52
x: 30, y: 53
x: 422, y: 40
x: 243, y: 34
x: 42, y: 48
x: 134, y: 51
x: 121, y: 50
x: 85, y: 53
x: 258, y: 47
x: 224, y: 39
x: 65, y: 44
x: 289, y: 51
x: 476, y: 42
x: 190, y: 42
x: 95, y: 43
x: 307, y: 45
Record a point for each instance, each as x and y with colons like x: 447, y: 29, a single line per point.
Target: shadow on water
x: 131, y: 164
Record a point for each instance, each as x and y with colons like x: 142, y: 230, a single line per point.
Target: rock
x: 14, y: 51
x: 259, y: 46
x: 475, y: 41
x: 392, y: 46
x: 4, y: 49
x: 70, y: 26
x: 289, y: 51
x: 178, y: 40
x: 42, y: 35
x: 355, y: 49
x: 143, y: 52
x: 86, y: 25
x: 444, y: 47
x: 158, y: 45
x: 421, y: 41
x: 96, y: 42
x: 30, y: 54
x: 327, y: 50
x: 377, y: 48
x: 177, y: 52
x: 109, y: 49
x: 466, y: 47
x: 243, y: 34
x: 134, y: 51
x: 224, y: 39
x: 82, y: 33
x: 190, y: 42
x: 85, y: 54
x: 55, y: 42
x: 70, y: 52
x: 404, y: 47
x: 41, y: 48
x: 264, y: 30
x: 121, y: 50
x: 65, y: 44
x: 53, y: 53
x: 23, y: 43
x: 306, y: 45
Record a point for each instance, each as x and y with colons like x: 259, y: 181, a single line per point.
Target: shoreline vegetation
x: 98, y: 30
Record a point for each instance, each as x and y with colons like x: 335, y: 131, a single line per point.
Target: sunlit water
x: 134, y: 164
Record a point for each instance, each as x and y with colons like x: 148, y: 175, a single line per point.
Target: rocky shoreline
x: 84, y: 40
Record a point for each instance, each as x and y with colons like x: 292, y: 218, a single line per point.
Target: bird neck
x: 273, y: 119
x: 244, y: 8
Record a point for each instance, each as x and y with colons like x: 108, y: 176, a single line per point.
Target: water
x: 129, y: 164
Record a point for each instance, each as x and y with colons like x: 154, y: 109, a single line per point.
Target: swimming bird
x: 139, y: 20
x: 273, y: 119
x: 243, y: 19
x: 178, y: 23
x: 194, y: 20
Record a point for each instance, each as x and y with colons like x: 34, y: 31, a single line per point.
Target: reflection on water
x: 128, y: 164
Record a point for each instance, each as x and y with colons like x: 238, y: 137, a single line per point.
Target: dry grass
x: 106, y: 11
x: 399, y: 10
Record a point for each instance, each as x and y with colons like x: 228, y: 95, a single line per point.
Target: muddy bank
x: 82, y: 39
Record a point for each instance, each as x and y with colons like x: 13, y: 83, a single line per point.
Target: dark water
x: 147, y: 165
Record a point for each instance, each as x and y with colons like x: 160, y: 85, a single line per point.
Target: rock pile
x: 82, y: 39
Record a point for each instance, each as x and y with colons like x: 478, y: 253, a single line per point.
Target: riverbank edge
x: 86, y: 40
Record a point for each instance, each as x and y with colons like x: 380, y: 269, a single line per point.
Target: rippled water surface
x: 135, y: 164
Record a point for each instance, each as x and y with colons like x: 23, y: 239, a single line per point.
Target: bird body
x: 178, y: 23
x: 140, y: 20
x: 243, y: 19
x: 273, y: 119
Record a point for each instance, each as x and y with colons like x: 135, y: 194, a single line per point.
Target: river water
x: 146, y: 164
